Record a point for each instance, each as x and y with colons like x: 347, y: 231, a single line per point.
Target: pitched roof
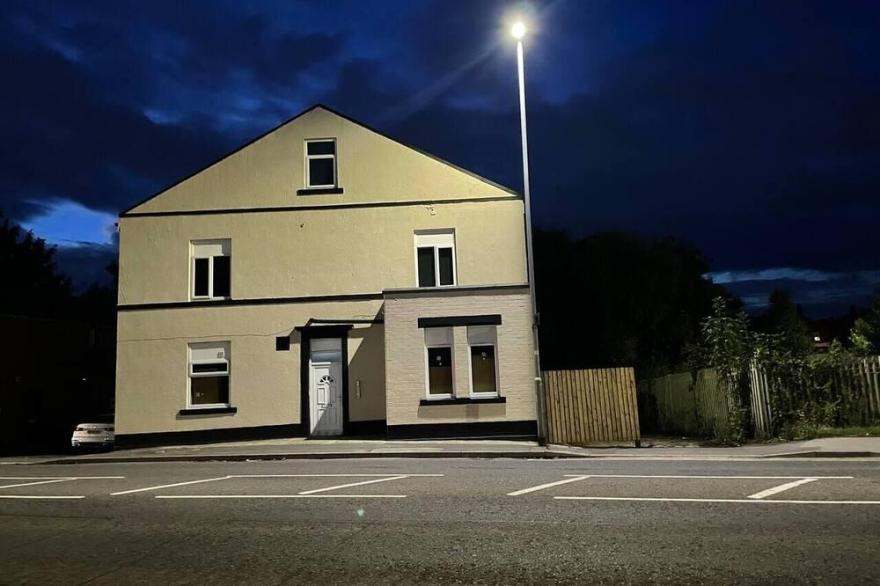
x: 336, y: 113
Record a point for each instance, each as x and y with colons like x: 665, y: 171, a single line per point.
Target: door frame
x: 306, y: 334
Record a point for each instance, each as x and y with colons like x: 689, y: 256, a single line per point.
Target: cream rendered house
x: 322, y: 280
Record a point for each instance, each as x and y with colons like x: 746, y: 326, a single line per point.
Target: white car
x: 93, y: 435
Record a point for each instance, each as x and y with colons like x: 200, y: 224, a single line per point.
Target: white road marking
x: 548, y: 485
x: 718, y: 477
x: 781, y: 488
x: 281, y: 496
x: 696, y: 500
x: 61, y: 477
x: 21, y: 496
x: 378, y: 478
x: 34, y: 483
x: 167, y: 485
x: 337, y: 487
x: 329, y: 475
x: 37, y: 480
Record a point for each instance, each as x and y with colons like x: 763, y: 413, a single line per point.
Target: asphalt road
x: 428, y: 521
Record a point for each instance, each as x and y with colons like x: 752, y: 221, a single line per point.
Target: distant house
x: 325, y: 279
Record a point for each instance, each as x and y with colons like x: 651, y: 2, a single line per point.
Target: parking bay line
x: 382, y: 477
x: 38, y: 480
x: 331, y: 475
x: 697, y: 500
x: 167, y: 485
x: 572, y: 478
x: 715, y: 477
x: 62, y: 477
x: 281, y: 496
x: 781, y: 488
x: 35, y: 483
x: 349, y: 485
x: 22, y: 496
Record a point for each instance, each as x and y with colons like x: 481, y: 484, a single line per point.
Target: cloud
x: 750, y: 129
x: 776, y: 274
x: 68, y: 224
x: 820, y: 293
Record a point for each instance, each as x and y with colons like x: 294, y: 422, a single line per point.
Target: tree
x: 783, y: 317
x: 32, y: 284
x: 727, y: 347
x: 618, y: 299
x: 865, y: 333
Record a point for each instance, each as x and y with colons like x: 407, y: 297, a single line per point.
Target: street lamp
x: 518, y: 31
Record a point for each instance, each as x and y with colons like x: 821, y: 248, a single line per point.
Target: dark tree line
x: 618, y: 299
x: 33, y: 286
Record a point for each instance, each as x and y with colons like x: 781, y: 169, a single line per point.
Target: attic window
x: 321, y: 164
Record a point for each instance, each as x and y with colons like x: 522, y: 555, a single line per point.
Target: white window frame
x: 494, y: 344
x: 208, y: 249
x: 429, y: 345
x: 436, y: 239
x: 309, y: 157
x: 223, y: 347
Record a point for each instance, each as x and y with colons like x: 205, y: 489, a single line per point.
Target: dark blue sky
x: 749, y: 128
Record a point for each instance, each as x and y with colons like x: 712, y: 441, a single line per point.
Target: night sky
x: 749, y: 128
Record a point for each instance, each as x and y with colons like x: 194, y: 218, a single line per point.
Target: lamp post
x: 518, y: 30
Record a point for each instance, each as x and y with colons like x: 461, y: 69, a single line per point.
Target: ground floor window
x: 208, y: 375
x: 438, y: 357
x: 482, y: 342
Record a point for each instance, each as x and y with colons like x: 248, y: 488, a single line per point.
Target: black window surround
x: 320, y: 191
x: 209, y: 411
x: 460, y: 320
x: 461, y: 401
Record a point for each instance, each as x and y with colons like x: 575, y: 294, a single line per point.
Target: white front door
x: 325, y: 386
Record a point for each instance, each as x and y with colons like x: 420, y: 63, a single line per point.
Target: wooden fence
x: 692, y: 405
x: 686, y: 403
x: 591, y: 406
x: 857, y: 387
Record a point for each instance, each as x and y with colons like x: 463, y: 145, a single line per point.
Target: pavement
x: 301, y: 448
x: 443, y: 521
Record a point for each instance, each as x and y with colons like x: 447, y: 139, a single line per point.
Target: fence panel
x: 591, y: 406
x: 696, y: 404
x: 762, y: 418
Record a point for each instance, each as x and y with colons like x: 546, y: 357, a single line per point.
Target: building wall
x: 371, y: 168
x: 320, y: 252
x: 287, y: 246
x: 151, y: 376
x: 405, y: 351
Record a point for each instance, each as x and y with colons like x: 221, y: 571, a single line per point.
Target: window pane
x: 200, y: 279
x: 483, y: 369
x: 324, y: 147
x: 210, y: 389
x: 221, y: 276
x: 321, y: 172
x: 445, y: 255
x: 215, y: 367
x: 440, y: 371
x: 426, y: 267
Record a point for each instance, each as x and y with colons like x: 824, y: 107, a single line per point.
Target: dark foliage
x: 31, y: 283
x: 618, y: 299
x: 785, y: 318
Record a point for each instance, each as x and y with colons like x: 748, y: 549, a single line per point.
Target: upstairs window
x: 321, y: 163
x: 438, y: 357
x: 211, y: 269
x: 435, y: 259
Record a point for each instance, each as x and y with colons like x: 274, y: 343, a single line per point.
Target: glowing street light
x: 518, y: 31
